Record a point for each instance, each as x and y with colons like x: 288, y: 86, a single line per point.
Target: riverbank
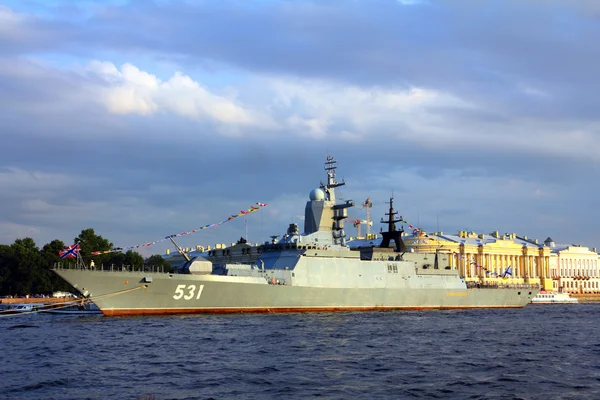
x: 587, y: 298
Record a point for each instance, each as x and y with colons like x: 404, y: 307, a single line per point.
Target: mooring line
x: 46, y: 307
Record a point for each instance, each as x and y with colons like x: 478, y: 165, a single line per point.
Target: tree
x: 7, y: 263
x: 133, y: 259
x: 157, y: 261
x: 90, y: 242
x: 50, y: 257
x: 27, y: 268
x: 50, y: 252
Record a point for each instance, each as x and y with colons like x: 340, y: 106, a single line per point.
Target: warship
x: 310, y: 271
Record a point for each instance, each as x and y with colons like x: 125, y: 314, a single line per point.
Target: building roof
x: 468, y: 238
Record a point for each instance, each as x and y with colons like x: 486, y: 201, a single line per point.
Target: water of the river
x: 538, y: 352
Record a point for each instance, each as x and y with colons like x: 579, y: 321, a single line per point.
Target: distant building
x: 574, y: 268
x: 516, y: 259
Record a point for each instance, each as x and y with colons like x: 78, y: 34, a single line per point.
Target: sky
x: 144, y: 118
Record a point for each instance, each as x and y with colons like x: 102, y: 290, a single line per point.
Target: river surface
x: 538, y: 352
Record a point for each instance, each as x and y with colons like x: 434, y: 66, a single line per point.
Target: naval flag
x: 507, y: 272
x: 70, y: 252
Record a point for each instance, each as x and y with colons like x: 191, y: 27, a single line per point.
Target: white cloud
x: 427, y: 117
x: 315, y: 108
x: 328, y: 108
x: 321, y: 110
x: 313, y: 127
x: 133, y: 91
x: 186, y: 97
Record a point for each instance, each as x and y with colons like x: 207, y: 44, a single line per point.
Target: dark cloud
x: 457, y: 46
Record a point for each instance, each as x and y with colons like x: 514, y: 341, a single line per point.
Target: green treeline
x: 27, y: 269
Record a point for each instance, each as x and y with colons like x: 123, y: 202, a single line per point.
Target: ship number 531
x: 188, y: 292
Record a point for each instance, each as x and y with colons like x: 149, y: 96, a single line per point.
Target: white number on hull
x: 190, y: 295
x: 191, y: 290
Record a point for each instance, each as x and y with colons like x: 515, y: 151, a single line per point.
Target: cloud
x: 22, y: 32
x: 303, y: 108
x: 11, y: 231
x: 331, y: 108
x: 13, y: 26
x: 140, y: 129
x: 9, y: 20
x: 130, y: 90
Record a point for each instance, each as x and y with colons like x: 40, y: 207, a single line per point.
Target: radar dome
x: 317, y: 194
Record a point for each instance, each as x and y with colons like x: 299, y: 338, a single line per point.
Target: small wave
x: 257, y: 381
x: 268, y: 369
x: 146, y: 396
x: 23, y: 326
x: 508, y: 379
x: 43, y: 385
x: 430, y: 355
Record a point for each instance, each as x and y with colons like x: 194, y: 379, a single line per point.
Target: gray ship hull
x: 139, y: 293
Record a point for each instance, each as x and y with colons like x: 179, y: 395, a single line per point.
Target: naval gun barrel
x: 180, y: 250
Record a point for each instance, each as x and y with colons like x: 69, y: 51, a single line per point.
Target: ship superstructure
x: 310, y: 271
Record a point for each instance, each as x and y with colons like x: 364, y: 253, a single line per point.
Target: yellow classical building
x: 518, y: 259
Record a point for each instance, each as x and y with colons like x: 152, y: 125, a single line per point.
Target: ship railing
x: 112, y: 267
x: 495, y: 285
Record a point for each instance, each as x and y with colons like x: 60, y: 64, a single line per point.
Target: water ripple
x: 531, y: 353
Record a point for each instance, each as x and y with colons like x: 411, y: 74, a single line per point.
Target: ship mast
x: 339, y: 210
x: 330, y: 167
x: 392, y: 233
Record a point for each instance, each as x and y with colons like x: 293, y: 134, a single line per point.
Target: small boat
x: 19, y: 308
x: 545, y: 297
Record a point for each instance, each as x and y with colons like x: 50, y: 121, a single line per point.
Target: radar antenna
x: 330, y: 167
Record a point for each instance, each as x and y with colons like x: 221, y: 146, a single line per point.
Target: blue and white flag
x: 508, y: 272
